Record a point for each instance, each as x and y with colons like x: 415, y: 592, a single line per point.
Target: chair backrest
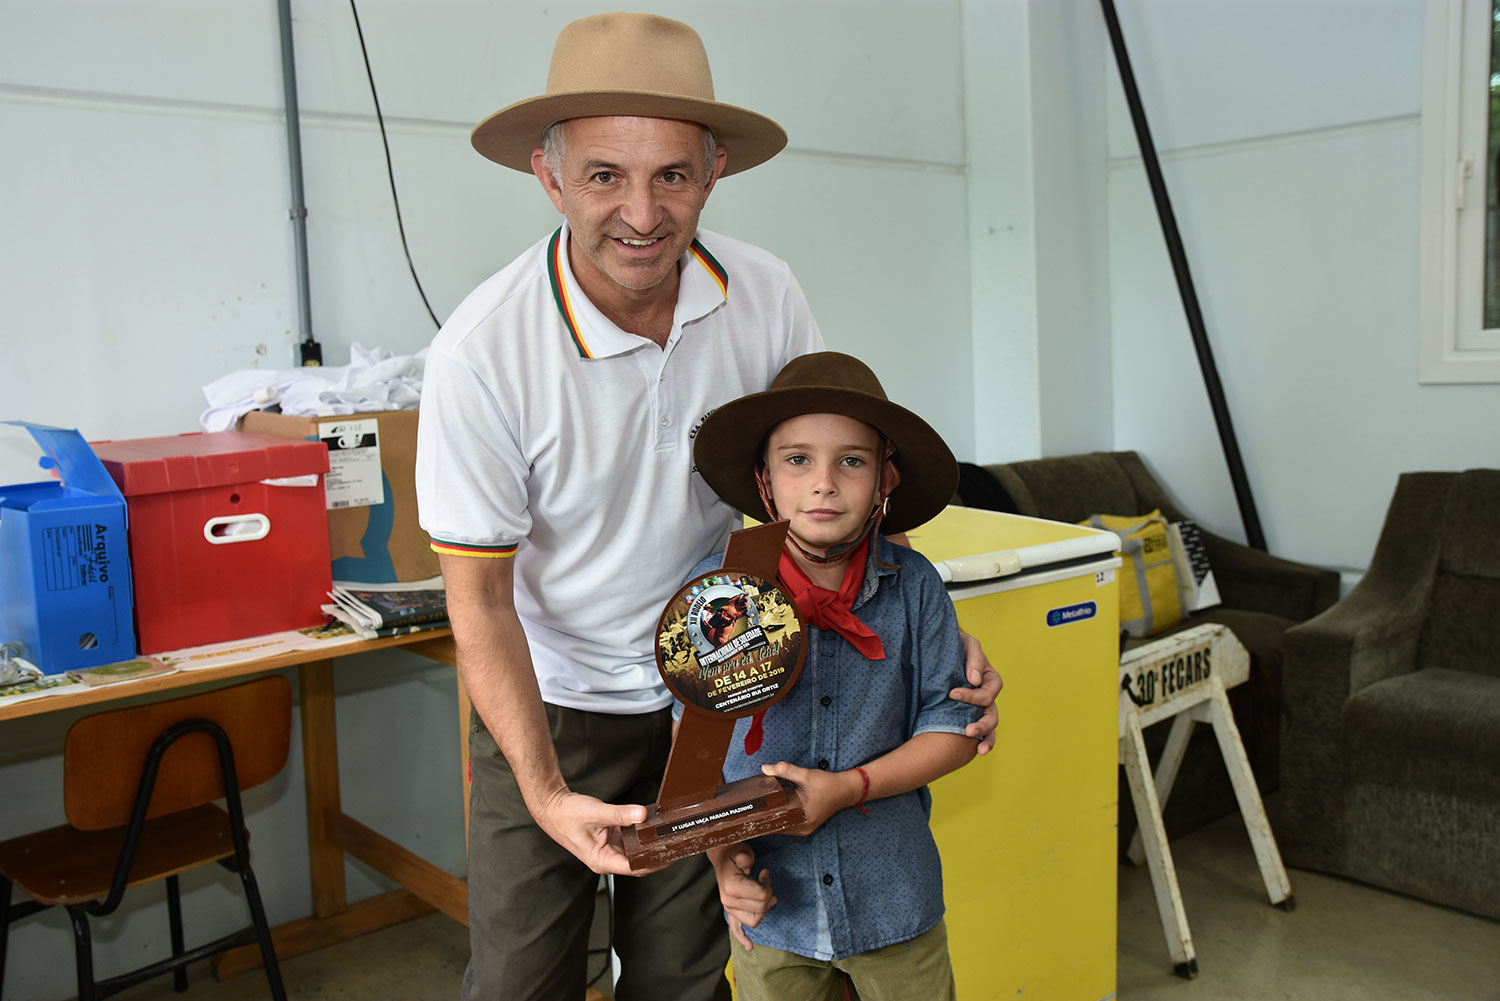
x: 1462, y: 627
x: 104, y: 754
x: 1073, y: 487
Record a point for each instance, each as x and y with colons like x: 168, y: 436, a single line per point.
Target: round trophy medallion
x: 729, y: 643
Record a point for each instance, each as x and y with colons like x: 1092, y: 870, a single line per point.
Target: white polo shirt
x: 551, y: 436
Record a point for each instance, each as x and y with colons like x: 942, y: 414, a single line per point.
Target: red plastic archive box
x: 228, y: 534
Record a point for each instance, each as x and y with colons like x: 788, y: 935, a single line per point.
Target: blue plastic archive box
x: 64, y: 563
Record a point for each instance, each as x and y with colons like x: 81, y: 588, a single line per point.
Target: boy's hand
x: 987, y: 684
x: 822, y: 793
x: 745, y: 899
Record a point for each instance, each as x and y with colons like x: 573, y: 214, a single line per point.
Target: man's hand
x: 746, y: 899
x: 822, y: 793
x: 986, y: 682
x: 590, y: 829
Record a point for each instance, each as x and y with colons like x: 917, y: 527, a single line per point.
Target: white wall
x: 1289, y: 134
x: 149, y: 235
x: 144, y: 201
x: 1034, y: 111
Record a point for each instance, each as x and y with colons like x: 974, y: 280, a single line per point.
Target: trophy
x: 729, y: 644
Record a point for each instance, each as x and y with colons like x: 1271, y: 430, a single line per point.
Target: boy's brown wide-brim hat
x: 727, y: 448
x: 628, y: 64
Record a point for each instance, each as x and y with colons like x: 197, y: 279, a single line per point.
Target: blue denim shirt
x: 861, y: 882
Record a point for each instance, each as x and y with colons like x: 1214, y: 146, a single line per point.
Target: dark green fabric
x: 1436, y: 730
x: 1462, y: 628
x: 1471, y: 524
x: 1391, y: 748
x: 1427, y: 845
x: 1070, y: 488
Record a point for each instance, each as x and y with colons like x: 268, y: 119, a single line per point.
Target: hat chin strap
x: 839, y: 551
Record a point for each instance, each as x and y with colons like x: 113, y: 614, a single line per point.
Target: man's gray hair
x: 554, y: 148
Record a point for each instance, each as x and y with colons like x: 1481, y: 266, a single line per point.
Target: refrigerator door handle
x: 985, y: 566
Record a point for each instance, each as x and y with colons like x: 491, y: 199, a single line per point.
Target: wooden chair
x: 139, y: 786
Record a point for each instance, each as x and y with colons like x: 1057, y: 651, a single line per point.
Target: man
x: 554, y: 475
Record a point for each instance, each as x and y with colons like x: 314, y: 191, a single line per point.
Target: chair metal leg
x: 83, y: 952
x: 262, y: 933
x: 174, y: 921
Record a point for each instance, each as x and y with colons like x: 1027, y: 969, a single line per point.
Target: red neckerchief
x: 832, y: 610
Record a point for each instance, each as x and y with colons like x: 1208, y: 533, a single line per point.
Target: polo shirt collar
x: 703, y: 287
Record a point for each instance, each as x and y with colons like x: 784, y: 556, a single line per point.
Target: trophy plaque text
x: 730, y: 644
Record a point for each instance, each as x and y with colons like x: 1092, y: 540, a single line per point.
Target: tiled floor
x: 1343, y: 941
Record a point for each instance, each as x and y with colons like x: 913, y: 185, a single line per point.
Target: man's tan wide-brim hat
x: 727, y: 447
x: 628, y: 64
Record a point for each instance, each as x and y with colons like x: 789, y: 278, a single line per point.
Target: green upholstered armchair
x: 1263, y: 596
x: 1391, y: 750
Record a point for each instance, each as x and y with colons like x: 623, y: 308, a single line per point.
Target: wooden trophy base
x: 748, y: 808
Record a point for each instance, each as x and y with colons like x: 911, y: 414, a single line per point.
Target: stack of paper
x: 375, y: 610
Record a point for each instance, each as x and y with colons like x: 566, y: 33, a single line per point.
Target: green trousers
x: 531, y: 901
x: 916, y: 970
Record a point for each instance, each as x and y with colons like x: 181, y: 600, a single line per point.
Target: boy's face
x: 824, y: 471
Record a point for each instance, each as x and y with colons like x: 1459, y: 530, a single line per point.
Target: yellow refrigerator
x: 1027, y: 833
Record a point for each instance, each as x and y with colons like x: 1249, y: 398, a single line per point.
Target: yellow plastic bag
x: 1150, y: 589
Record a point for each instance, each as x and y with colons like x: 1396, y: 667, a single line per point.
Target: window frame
x: 1455, y: 347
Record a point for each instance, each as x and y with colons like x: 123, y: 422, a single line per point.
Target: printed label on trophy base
x: 761, y: 804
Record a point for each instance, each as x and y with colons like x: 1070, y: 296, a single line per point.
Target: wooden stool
x: 1184, y: 677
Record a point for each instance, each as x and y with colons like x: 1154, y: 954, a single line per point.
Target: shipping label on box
x: 376, y: 541
x: 354, y: 478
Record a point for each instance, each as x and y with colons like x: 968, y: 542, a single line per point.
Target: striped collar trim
x: 561, y: 295
x: 470, y: 549
x: 711, y: 264
x: 564, y: 296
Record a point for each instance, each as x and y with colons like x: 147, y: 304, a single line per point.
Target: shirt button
x: 823, y: 763
x: 827, y: 879
x: 825, y: 700
x: 666, y: 421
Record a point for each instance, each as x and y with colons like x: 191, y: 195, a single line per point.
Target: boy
x: 858, y: 887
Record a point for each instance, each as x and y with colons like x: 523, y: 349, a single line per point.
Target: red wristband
x: 865, y: 778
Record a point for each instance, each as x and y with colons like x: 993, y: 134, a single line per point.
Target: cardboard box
x: 372, y: 536
x: 65, y: 591
x: 228, y: 536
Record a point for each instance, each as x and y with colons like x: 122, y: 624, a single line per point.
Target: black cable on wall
x: 389, y: 171
x: 1215, y: 389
